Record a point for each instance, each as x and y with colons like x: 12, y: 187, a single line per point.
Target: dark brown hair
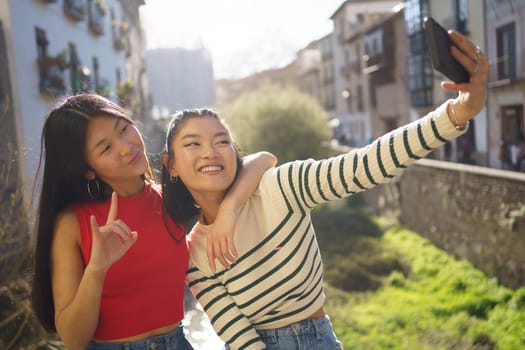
x: 62, y: 149
x: 177, y: 199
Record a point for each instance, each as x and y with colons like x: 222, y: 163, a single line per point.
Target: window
x: 461, y: 16
x: 41, y: 42
x: 415, y: 12
x: 118, y: 76
x: 374, y: 43
x: 80, y: 80
x: 419, y: 79
x: 512, y: 123
x: 50, y: 68
x: 506, y: 51
x: 96, y: 73
x: 360, y: 102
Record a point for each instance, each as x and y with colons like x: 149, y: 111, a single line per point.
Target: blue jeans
x: 170, y: 341
x: 312, y: 334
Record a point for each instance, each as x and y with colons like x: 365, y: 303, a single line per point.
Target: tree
x: 284, y: 121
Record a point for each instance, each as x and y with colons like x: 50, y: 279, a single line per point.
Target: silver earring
x: 95, y: 191
x: 174, y: 179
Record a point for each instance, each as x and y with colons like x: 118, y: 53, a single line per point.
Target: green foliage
x: 288, y: 123
x: 357, y: 260
x: 433, y: 302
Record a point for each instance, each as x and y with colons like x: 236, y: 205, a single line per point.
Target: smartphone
x: 439, y: 44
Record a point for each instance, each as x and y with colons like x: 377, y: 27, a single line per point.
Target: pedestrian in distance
x: 268, y: 293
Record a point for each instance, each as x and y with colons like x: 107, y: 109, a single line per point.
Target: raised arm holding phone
x: 271, y: 295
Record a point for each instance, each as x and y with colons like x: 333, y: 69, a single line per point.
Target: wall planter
x: 104, y: 91
x: 51, y: 70
x: 96, y: 25
x: 125, y: 92
x: 120, y: 31
x: 119, y: 43
x: 97, y: 12
x: 75, y: 9
x: 101, y: 7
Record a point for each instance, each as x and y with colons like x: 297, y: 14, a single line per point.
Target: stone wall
x: 14, y: 234
x: 472, y: 212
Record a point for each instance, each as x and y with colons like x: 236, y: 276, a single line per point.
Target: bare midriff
x: 317, y: 314
x: 145, y: 335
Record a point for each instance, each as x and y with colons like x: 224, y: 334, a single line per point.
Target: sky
x: 242, y: 36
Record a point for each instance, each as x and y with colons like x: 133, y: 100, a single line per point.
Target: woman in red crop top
x: 109, y: 264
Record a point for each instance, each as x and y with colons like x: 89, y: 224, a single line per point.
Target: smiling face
x: 204, y: 156
x: 115, y: 153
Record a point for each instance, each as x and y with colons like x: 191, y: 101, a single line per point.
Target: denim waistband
x: 169, y: 341
x: 311, y: 326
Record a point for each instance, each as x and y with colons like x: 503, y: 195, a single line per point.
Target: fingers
x: 211, y: 256
x: 117, y: 227
x: 469, y: 55
x: 232, y: 249
x: 223, y: 250
x: 120, y: 228
x: 113, y: 208
x: 94, y: 225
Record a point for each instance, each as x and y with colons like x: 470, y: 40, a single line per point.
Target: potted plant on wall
x: 51, y: 69
x: 101, y: 7
x: 59, y: 60
x: 75, y: 9
x: 125, y: 91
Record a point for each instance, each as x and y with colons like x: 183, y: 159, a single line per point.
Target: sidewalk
x: 197, y: 326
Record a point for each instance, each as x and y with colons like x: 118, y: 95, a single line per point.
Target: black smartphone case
x: 439, y: 44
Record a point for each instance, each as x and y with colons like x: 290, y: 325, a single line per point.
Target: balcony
x: 51, y: 70
x: 75, y: 9
x: 97, y: 13
x: 120, y: 31
x: 119, y: 43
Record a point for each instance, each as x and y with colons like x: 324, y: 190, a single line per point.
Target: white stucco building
x: 57, y: 47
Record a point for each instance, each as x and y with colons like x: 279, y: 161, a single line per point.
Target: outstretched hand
x: 111, y: 241
x: 220, y: 243
x: 472, y: 95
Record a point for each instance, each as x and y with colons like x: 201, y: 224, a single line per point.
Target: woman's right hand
x: 111, y: 241
x: 471, y: 95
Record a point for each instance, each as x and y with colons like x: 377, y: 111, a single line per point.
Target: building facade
x: 423, y: 81
x: 505, y: 32
x: 385, y: 51
x: 59, y: 47
x: 352, y: 107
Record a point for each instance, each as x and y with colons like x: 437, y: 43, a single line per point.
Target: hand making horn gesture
x: 111, y: 241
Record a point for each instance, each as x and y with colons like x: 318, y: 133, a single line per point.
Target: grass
x: 420, y: 298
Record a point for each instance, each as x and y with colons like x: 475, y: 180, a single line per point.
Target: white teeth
x: 211, y: 168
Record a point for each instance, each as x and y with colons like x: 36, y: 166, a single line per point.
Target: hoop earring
x: 96, y: 190
x: 174, y: 179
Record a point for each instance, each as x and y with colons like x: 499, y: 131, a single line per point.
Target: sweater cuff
x: 444, y: 123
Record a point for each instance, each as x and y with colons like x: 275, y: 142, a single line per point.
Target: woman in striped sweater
x: 271, y: 296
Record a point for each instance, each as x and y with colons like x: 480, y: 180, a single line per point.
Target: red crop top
x: 144, y: 290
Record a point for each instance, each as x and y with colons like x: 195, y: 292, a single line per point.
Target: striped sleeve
x: 315, y: 182
x: 228, y: 321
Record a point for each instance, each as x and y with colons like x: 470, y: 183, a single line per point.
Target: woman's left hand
x: 472, y: 95
x: 220, y: 244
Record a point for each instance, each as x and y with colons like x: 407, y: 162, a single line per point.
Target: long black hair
x: 62, y: 148
x: 177, y: 200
